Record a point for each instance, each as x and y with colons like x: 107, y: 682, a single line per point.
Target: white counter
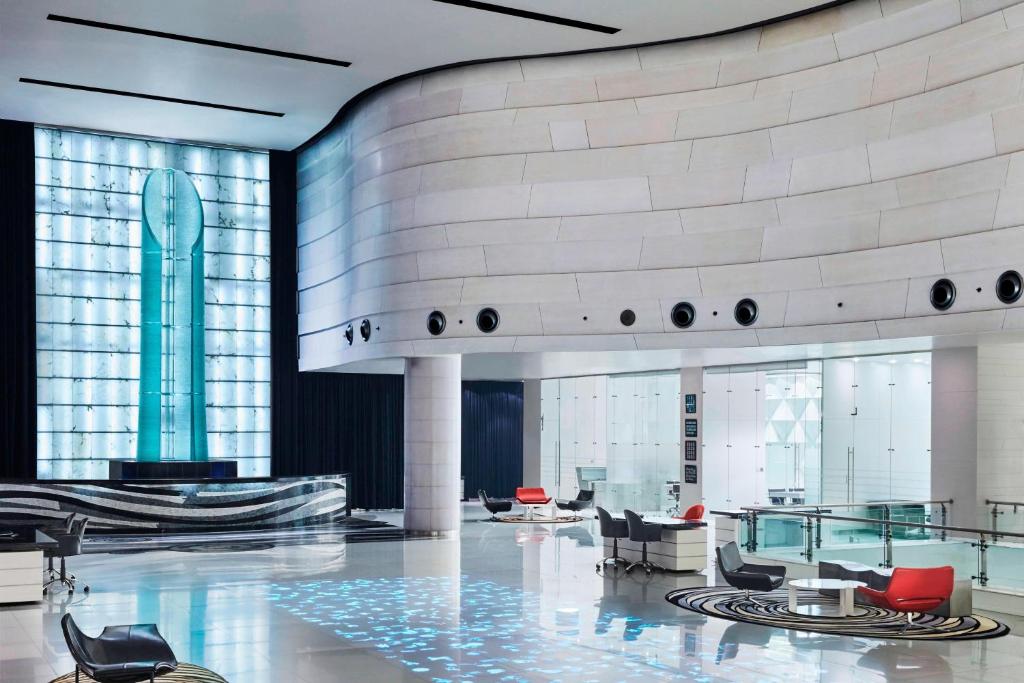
x: 679, y: 550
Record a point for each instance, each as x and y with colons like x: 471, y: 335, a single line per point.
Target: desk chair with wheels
x: 644, y: 533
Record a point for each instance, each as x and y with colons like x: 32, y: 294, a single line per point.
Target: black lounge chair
x: 583, y: 500
x: 494, y: 505
x: 747, y: 577
x: 120, y: 654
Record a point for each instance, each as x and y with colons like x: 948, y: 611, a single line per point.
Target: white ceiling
x: 382, y: 39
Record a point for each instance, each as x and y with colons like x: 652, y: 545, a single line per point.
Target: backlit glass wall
x: 88, y: 235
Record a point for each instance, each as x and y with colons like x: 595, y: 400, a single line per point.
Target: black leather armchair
x: 583, y: 500
x: 614, y: 529
x: 642, y: 532
x: 494, y: 505
x: 69, y: 544
x: 120, y: 654
x: 747, y: 577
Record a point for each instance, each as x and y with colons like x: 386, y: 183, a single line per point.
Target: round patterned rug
x: 870, y: 622
x: 538, y: 519
x: 185, y: 673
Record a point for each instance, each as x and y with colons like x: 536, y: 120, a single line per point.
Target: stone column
x: 433, y: 443
x: 955, y: 432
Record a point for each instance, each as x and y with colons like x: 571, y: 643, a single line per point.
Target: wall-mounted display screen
x: 690, y: 474
x: 691, y: 403
x: 690, y: 428
x: 690, y: 451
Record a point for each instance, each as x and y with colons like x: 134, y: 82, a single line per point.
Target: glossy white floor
x: 501, y: 603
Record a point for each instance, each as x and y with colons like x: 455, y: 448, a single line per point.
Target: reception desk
x: 682, y: 548
x: 21, y: 564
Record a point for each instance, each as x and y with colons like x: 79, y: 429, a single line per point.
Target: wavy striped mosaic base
x: 185, y: 673
x: 870, y: 622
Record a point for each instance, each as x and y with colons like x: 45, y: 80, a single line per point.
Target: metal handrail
x: 948, y: 501
x: 872, y: 520
x: 1005, y: 502
x: 996, y: 512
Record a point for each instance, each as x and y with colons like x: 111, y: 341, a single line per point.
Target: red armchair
x: 532, y: 496
x: 913, y: 590
x: 694, y: 513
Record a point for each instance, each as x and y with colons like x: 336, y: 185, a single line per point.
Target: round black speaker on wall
x: 364, y: 330
x: 627, y: 317
x: 349, y: 334
x: 487, y: 320
x: 745, y: 312
x: 683, y: 314
x: 1008, y: 287
x: 435, y: 323
x: 943, y: 294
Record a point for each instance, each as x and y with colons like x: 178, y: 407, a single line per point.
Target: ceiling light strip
x: 147, y: 96
x: 536, y: 16
x: 198, y: 41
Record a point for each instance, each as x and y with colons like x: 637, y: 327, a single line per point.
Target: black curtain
x: 324, y: 422
x: 492, y: 437
x: 18, y: 297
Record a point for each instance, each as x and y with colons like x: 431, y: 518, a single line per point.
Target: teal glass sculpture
x: 172, y: 366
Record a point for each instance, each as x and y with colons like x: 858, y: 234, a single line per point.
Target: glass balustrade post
x: 887, y: 536
x: 808, y: 527
x: 982, y: 546
x: 751, y: 532
x: 817, y: 530
x: 995, y: 521
x: 943, y: 513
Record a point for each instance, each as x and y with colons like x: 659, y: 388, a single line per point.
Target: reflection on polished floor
x: 503, y: 602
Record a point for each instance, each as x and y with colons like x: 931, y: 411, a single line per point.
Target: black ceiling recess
x: 627, y: 317
x: 943, y: 294
x: 745, y: 312
x: 364, y: 330
x: 193, y: 39
x: 436, y: 323
x: 487, y: 320
x: 526, y: 14
x: 683, y: 314
x: 1008, y: 287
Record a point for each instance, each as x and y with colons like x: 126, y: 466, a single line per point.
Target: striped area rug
x: 185, y: 673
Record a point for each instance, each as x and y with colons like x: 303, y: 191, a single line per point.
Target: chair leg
x: 910, y: 622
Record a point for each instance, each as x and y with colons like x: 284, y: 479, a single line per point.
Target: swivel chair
x: 912, y: 590
x: 68, y: 545
x: 642, y: 532
x: 613, y: 529
x: 747, y: 577
x: 694, y: 513
x: 494, y: 505
x: 120, y: 654
x: 583, y: 500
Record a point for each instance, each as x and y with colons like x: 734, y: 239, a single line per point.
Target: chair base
x: 61, y: 578
x: 646, y: 565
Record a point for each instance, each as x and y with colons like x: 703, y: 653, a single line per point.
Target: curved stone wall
x: 831, y: 168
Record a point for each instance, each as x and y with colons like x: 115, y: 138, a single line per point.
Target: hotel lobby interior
x: 527, y: 341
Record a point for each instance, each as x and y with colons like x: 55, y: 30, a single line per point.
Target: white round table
x: 845, y: 588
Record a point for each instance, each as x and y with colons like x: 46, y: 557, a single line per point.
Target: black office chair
x: 68, y: 545
x: 642, y: 532
x: 747, y: 577
x: 583, y: 500
x: 614, y: 529
x: 494, y: 505
x: 120, y: 654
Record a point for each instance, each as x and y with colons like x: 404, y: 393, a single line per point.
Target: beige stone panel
x: 600, y: 319
x: 699, y: 188
x: 562, y: 257
x: 1010, y: 209
x: 1009, y: 128
x: 942, y: 40
x: 820, y: 23
x: 1015, y: 173
x: 609, y: 162
x: 767, y: 180
x: 499, y: 289
x: 830, y: 170
x: 899, y: 28
x: 957, y: 181
x: 384, y: 271
x: 401, y: 242
x: 740, y: 149
x: 432, y: 293
x: 832, y: 98
x: 646, y: 284
x: 426, y: 107
x: 502, y: 231
x: 818, y: 334
x: 992, y: 248
x: 402, y: 214
x: 466, y: 143
x: 1014, y: 16
x: 553, y: 91
x: 976, y: 8
x: 696, y: 76
x: 569, y: 135
x: 728, y: 45
x: 475, y: 204
x: 723, y: 339
x: 733, y: 118
x: 622, y: 226
x: 831, y: 133
x: 878, y: 265
x: 474, y: 172
x: 378, y: 142
x: 958, y: 101
x: 941, y: 324
x: 890, y: 7
x: 701, y: 249
x: 765, y: 276
x: 934, y: 220
x: 632, y: 130
x: 729, y: 216
x: 467, y: 121
x: 457, y: 262
x: 576, y: 343
x: 976, y: 58
x: 808, y: 208
x: 586, y: 64
x: 489, y: 73
x: 826, y: 236
x: 696, y: 99
x: 852, y: 303
x: 934, y: 148
x: 968, y: 296
x: 899, y: 80
x: 487, y: 97
x: 863, y: 66
x: 577, y: 198
x: 716, y: 312
x: 576, y: 112
x: 768, y: 63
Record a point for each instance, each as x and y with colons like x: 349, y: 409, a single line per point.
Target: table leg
x: 845, y: 602
x: 792, y: 598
